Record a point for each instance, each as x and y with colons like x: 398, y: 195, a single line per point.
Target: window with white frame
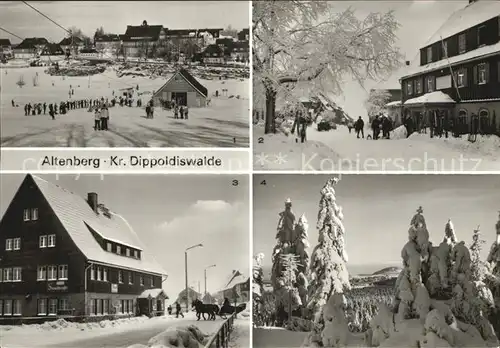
x: 92, y: 307
x: 92, y: 273
x: 99, y: 307
x: 17, y: 243
x: 7, y: 307
x: 34, y: 214
x: 130, y: 279
x: 53, y: 306
x: 151, y: 283
x: 9, y: 244
x: 461, y: 78
x: 51, y: 240
x: 63, y: 272
x: 127, y: 252
x: 16, y: 307
x: 105, y: 306
x: 120, y: 307
x: 430, y: 84
x: 42, y: 306
x: 1, y: 279
x: 409, y: 87
x: 136, y: 254
x: 462, y: 43
x: 42, y: 241
x: 7, y: 274
x: 418, y: 86
x: 63, y: 304
x: 30, y: 214
x: 42, y: 273
x: 26, y: 215
x: 16, y: 274
x: 444, y: 46
x: 99, y: 273
x: 141, y: 281
x: 105, y: 274
x: 120, y: 277
x: 51, y: 272
x: 429, y: 55
x: 109, y: 247
x: 481, y: 74
x: 118, y: 250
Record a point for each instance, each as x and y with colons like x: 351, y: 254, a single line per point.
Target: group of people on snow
x: 178, y: 310
x: 380, y: 123
x: 101, y: 117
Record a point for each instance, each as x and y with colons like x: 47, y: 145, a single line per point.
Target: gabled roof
x: 5, y: 42
x: 141, y: 32
x: 75, y: 214
x: 68, y: 41
x: 153, y: 293
x: 471, y: 15
x: 32, y: 42
x: 190, y: 79
x: 52, y: 49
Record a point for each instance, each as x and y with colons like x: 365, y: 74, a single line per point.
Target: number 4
x: 263, y: 182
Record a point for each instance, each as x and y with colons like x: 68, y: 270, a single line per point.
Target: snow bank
x: 399, y: 133
x: 178, y: 337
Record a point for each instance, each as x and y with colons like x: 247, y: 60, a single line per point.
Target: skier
x: 178, y: 310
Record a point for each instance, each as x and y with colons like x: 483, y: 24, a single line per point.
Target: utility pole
x: 186, y: 271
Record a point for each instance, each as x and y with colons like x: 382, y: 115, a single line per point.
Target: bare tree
x: 309, y: 41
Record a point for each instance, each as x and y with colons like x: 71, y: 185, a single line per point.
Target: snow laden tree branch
x: 376, y: 101
x: 308, y: 41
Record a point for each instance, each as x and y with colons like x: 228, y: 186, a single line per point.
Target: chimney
x: 92, y: 201
x: 407, y: 63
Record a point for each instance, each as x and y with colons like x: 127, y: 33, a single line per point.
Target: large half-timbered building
x: 65, y: 256
x: 458, y: 78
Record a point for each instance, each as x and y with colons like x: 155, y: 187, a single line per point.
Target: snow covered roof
x: 240, y: 279
x: 476, y: 54
x: 75, y: 214
x: 436, y: 97
x: 473, y: 14
x: 394, y: 103
x: 153, y: 293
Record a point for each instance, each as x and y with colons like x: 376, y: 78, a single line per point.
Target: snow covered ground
x: 276, y: 337
x: 225, y: 123
x: 118, y: 333
x: 338, y: 149
x: 240, y: 337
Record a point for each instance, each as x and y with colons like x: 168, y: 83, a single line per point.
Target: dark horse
x: 202, y: 308
x: 228, y: 309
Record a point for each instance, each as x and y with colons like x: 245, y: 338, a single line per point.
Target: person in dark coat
x: 376, y: 127
x: 359, y: 127
x: 386, y: 127
x: 181, y: 111
x: 169, y: 309
x: 186, y: 111
x: 178, y: 310
x: 44, y: 108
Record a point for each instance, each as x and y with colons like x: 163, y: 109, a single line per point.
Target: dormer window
x: 444, y: 46
x: 136, y: 254
x: 462, y: 43
x: 429, y: 55
x: 127, y: 252
x: 109, y: 246
x: 409, y: 87
x: 118, y: 250
x: 481, y: 35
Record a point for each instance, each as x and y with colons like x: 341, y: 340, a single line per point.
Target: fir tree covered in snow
x: 329, y: 275
x: 291, y: 239
x: 309, y: 42
x: 257, y: 288
x: 437, y: 303
x: 477, y: 266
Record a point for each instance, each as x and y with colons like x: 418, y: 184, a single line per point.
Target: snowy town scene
x: 83, y: 265
x: 328, y: 273
x: 376, y: 85
x: 124, y: 74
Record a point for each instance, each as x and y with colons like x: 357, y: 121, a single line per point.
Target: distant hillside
x: 388, y: 271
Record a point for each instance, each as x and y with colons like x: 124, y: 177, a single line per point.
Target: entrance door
x: 180, y: 98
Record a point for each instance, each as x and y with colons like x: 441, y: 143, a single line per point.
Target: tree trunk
x: 270, y: 125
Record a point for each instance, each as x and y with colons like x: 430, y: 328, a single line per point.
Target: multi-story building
x: 29, y: 48
x: 143, y: 40
x: 240, y: 51
x: 458, y: 78
x: 214, y: 54
x: 62, y: 255
x: 108, y: 44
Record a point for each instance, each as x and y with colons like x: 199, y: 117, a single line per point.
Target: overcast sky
x: 378, y: 209
x: 114, y: 16
x: 171, y: 213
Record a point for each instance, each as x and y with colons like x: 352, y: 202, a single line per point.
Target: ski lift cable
x: 8, y: 32
x: 47, y: 17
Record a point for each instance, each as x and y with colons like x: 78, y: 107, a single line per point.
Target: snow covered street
x: 222, y: 124
x: 116, y: 334
x: 274, y: 337
x: 339, y: 149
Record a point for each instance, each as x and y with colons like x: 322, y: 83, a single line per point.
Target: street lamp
x: 206, y: 276
x: 186, y: 271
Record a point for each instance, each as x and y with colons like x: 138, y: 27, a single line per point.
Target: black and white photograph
x: 125, y: 74
x: 376, y: 260
x: 376, y: 85
x: 124, y: 261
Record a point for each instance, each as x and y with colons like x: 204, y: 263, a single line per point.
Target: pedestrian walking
x: 359, y: 127
x: 186, y: 112
x: 178, y: 310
